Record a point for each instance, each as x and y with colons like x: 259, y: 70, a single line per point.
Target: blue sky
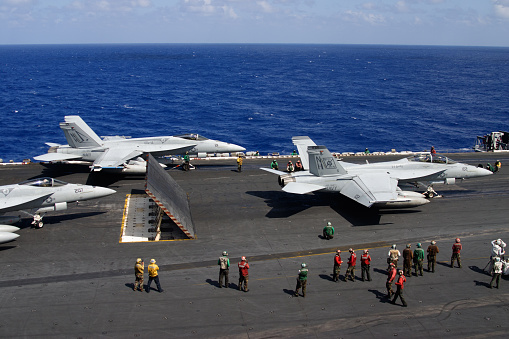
x: 407, y: 22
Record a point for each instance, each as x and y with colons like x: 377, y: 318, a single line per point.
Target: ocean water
x: 347, y: 97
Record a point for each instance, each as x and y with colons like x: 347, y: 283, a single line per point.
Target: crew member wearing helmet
x: 243, y: 274
x: 186, y: 162
x: 393, y: 256
x: 302, y: 280
x: 298, y: 166
x: 365, y: 264
x: 153, y: 275
x: 139, y: 267
x: 399, y: 291
x: 418, y: 259
x: 497, y: 251
x: 337, y: 266
x: 408, y: 256
x: 239, y: 163
x: 497, y: 272
x: 224, y: 269
x: 289, y: 167
x: 350, y: 271
x: 432, y: 256
x: 456, y: 249
x: 274, y: 165
x: 328, y: 231
x: 390, y: 278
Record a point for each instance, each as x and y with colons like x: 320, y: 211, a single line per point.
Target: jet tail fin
x: 321, y: 162
x: 78, y: 133
x: 302, y: 144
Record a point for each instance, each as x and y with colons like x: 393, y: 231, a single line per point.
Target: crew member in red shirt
x: 365, y: 263
x: 337, y: 266
x: 399, y: 292
x: 350, y: 271
x: 456, y: 249
x: 390, y: 278
x: 243, y: 274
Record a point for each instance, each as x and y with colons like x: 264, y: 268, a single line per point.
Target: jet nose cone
x: 102, y: 191
x: 482, y: 172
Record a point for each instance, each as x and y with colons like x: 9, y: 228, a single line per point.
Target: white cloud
x: 359, y: 16
x: 501, y: 8
x: 266, y: 7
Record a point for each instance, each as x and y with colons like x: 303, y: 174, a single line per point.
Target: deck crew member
x: 302, y: 280
x: 274, y: 165
x: 328, y: 231
x: 390, y: 278
x: 298, y: 166
x: 243, y: 274
x: 497, y: 272
x: 139, y: 268
x: 399, y: 291
x: 289, y: 167
x: 432, y: 256
x: 186, y: 161
x: 239, y: 163
x: 456, y: 249
x: 418, y: 259
x: 407, y: 260
x: 497, y: 251
x: 350, y: 271
x: 393, y: 256
x: 365, y: 264
x: 337, y: 266
x: 153, y: 275
x: 224, y: 269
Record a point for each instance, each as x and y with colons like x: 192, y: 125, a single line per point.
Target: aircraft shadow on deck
x: 285, y: 205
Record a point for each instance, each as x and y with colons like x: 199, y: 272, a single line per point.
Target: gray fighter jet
x: 372, y: 184
x: 38, y: 196
x: 123, y: 154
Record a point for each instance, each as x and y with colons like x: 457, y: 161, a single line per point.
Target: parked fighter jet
x: 122, y: 154
x: 372, y: 184
x: 45, y: 195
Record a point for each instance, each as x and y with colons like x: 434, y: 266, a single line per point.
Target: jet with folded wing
x: 123, y: 154
x: 38, y: 196
x: 372, y: 185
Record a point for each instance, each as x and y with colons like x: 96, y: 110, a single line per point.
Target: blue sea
x: 347, y: 97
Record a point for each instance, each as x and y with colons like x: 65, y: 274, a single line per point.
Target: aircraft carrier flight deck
x: 74, y: 278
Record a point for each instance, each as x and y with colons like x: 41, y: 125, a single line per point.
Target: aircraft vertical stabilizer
x: 321, y: 162
x: 302, y: 144
x: 78, y: 133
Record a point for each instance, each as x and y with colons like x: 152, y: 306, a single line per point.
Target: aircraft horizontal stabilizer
x: 301, y: 188
x: 52, y: 144
x: 273, y: 171
x: 56, y: 157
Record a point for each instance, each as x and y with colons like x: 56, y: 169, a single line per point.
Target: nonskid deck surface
x: 74, y: 279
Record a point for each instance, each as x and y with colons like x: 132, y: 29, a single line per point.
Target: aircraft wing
x: 273, y: 171
x: 415, y: 174
x: 170, y: 148
x: 301, y: 188
x: 10, y: 203
x: 56, y: 157
x: 371, y: 188
x: 114, y: 157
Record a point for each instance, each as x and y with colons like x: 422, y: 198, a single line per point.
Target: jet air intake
x: 59, y: 206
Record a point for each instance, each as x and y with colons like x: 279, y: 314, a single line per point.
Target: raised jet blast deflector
x: 169, y: 196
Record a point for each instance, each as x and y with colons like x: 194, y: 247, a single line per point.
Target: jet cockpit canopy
x: 43, y: 182
x: 191, y: 136
x: 428, y: 157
